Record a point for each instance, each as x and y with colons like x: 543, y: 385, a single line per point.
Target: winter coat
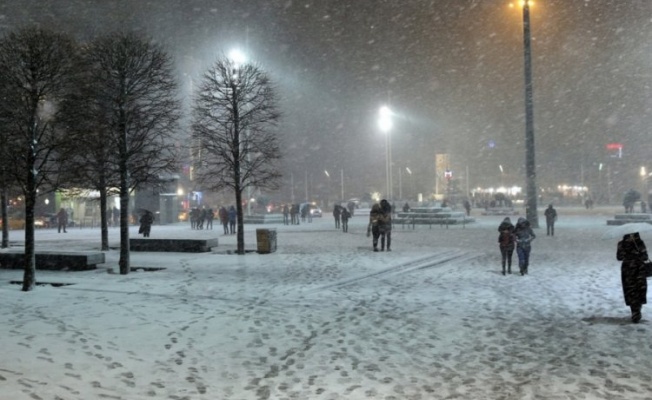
x: 232, y: 214
x: 632, y: 252
x: 551, y: 215
x: 224, y: 215
x: 385, y: 220
x: 506, y: 237
x: 523, y: 234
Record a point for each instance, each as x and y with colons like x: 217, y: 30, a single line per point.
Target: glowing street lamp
x: 385, y: 124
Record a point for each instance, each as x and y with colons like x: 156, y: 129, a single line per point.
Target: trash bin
x: 266, y: 239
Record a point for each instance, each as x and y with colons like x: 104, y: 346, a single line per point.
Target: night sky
x: 452, y: 70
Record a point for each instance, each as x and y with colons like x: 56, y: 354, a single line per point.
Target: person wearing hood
x: 385, y: 225
x: 633, y: 254
x: 506, y: 243
x: 524, y: 236
x: 373, y: 229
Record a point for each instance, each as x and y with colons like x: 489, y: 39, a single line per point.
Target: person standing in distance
x: 551, y: 218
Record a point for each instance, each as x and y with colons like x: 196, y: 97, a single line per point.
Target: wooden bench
x: 173, y: 245
x: 53, y: 260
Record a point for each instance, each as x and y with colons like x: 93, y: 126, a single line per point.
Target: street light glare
x: 237, y: 56
x: 521, y: 3
x: 385, y: 120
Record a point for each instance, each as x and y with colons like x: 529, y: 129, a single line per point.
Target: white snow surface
x: 324, y: 317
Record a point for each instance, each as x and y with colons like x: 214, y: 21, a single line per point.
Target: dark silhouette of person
x: 633, y: 254
x: 551, y: 218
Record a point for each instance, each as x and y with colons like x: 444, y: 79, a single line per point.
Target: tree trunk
x: 103, y: 218
x: 5, y: 217
x: 29, y: 278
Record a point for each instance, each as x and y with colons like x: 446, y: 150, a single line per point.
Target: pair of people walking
x: 517, y: 237
x: 380, y: 225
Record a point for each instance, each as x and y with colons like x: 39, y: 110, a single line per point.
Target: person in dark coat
x: 374, y: 224
x: 286, y: 214
x: 385, y: 225
x: 233, y: 215
x: 62, y: 219
x: 551, y: 218
x: 524, y: 236
x: 337, y: 213
x: 633, y: 254
x: 345, y: 215
x: 506, y: 243
x: 209, y: 218
x: 146, y: 221
x: 224, y: 219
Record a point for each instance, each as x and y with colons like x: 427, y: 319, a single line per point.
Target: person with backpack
x: 524, y: 236
x: 506, y: 243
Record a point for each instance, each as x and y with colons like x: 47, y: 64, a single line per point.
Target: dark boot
x: 636, y: 313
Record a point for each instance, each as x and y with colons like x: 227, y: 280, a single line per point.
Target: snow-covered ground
x: 324, y: 317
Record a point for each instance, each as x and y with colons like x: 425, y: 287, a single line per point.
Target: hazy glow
x: 385, y: 119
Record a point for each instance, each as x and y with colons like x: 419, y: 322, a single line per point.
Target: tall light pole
x: 328, y: 188
x: 530, y: 165
x: 409, y: 171
x: 385, y: 125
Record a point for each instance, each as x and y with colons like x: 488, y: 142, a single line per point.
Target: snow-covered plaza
x: 326, y: 318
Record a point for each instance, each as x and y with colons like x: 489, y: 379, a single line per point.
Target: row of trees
x: 105, y: 115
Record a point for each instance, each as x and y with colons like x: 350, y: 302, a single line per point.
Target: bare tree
x: 129, y: 108
x: 235, y: 141
x: 36, y: 73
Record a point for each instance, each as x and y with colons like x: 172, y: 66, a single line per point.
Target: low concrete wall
x: 53, y: 260
x: 173, y: 245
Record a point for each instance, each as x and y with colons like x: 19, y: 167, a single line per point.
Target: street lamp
x: 530, y: 166
x: 328, y: 188
x: 385, y: 124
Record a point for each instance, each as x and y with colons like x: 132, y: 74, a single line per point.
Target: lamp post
x: 328, y: 187
x: 530, y: 166
x: 409, y: 171
x: 385, y: 125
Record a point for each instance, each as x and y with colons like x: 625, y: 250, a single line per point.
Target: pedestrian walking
x: 209, y: 218
x: 506, y: 243
x: 62, y: 219
x: 337, y: 213
x: 286, y: 214
x: 224, y: 219
x: 633, y: 254
x: 373, y: 229
x: 385, y: 225
x: 524, y: 236
x: 146, y: 221
x: 232, y: 217
x: 345, y: 215
x: 551, y: 218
